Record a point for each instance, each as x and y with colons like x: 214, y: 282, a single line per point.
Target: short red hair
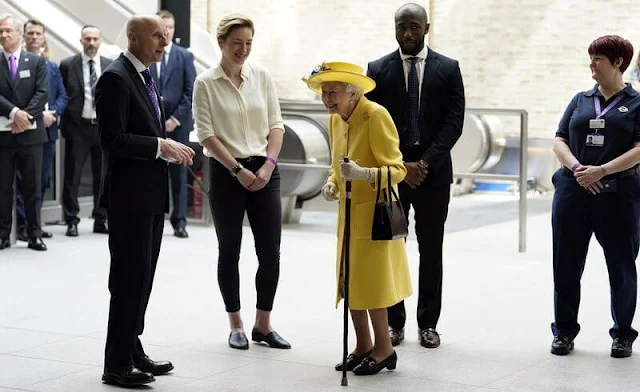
x: 614, y: 47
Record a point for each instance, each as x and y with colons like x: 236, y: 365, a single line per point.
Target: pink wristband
x: 272, y: 160
x: 573, y: 168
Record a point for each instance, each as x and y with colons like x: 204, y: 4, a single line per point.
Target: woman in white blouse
x: 238, y: 121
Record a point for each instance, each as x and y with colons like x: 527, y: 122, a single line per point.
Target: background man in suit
x: 423, y: 92
x: 174, y: 76
x: 23, y: 95
x: 80, y: 73
x: 34, y: 40
x: 136, y: 193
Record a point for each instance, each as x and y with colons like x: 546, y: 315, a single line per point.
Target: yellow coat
x: 379, y: 273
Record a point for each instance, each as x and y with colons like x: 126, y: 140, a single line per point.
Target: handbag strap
x: 392, y: 191
x: 379, y: 180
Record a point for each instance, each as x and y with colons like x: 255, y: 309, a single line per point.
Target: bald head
x: 411, y: 27
x: 147, y: 35
x: 413, y: 9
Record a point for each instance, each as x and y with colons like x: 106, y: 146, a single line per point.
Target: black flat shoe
x: 72, y: 230
x: 127, y: 376
x: 22, y: 235
x: 4, y: 243
x: 353, y: 361
x: 272, y: 339
x: 368, y: 366
x: 180, y: 232
x: 238, y: 340
x: 621, y: 348
x: 561, y: 345
x: 36, y: 243
x: 46, y: 234
x: 100, y: 228
x: 157, y: 368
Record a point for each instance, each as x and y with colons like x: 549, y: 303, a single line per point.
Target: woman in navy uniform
x: 597, y: 191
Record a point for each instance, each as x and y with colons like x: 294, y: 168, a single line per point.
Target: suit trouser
x: 431, y: 205
x: 613, y: 218
x: 178, y: 178
x: 134, y: 243
x: 81, y: 143
x: 229, y: 200
x: 27, y: 160
x: 48, y: 153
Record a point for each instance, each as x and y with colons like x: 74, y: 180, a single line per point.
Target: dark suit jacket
x: 441, y: 108
x: 134, y: 181
x: 28, y: 93
x: 177, y: 89
x: 71, y: 71
x: 57, y: 97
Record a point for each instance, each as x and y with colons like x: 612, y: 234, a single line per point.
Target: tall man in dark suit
x: 136, y: 194
x: 23, y: 95
x: 423, y: 92
x: 174, y: 76
x: 80, y: 74
x: 34, y: 42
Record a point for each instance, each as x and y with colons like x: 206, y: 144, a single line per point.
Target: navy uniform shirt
x: 622, y: 125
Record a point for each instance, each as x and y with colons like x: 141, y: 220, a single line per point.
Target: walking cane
x: 346, y: 240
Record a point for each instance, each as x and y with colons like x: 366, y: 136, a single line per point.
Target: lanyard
x: 599, y: 111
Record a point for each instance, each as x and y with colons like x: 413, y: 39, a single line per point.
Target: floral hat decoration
x: 338, y: 72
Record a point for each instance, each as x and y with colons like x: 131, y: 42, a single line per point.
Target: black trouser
x: 28, y: 160
x: 134, y: 243
x: 229, y: 200
x: 48, y: 153
x: 81, y: 143
x: 178, y: 177
x: 613, y: 218
x: 431, y: 205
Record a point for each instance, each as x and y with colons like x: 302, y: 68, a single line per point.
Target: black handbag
x: 389, y: 222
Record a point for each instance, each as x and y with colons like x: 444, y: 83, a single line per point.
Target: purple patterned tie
x: 12, y: 67
x: 151, y: 91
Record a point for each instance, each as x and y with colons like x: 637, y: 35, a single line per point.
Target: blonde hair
x: 45, y: 50
x: 230, y: 22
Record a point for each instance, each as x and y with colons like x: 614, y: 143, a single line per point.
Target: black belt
x: 89, y: 121
x: 625, y: 173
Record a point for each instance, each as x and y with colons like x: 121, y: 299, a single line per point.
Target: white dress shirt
x: 87, y: 109
x: 241, y: 118
x: 420, y: 63
x: 15, y: 54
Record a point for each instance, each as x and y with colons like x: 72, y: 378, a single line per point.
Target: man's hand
x: 176, y: 152
x: 589, y: 178
x: 416, y: 173
x: 170, y: 125
x: 22, y: 121
x: 49, y: 118
x: 263, y: 175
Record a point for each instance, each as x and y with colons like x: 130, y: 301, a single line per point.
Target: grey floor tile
x: 19, y: 372
x: 81, y: 350
x: 390, y: 381
x: 12, y: 339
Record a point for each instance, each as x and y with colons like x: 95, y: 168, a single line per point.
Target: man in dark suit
x: 131, y: 125
x: 423, y: 92
x: 34, y: 40
x: 80, y: 73
x: 174, y: 76
x: 23, y: 95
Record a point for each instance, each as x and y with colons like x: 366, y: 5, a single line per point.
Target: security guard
x: 597, y: 191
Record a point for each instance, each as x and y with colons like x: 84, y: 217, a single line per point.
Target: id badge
x: 595, y: 140
x: 597, y: 123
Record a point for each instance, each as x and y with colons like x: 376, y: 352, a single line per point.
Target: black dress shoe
x: 100, y: 228
x: 272, y: 339
x: 353, y: 361
x: 396, y: 336
x: 72, y: 230
x: 621, y: 348
x: 46, y: 234
x: 36, y: 243
x: 429, y: 338
x: 4, y: 243
x: 180, y: 232
x: 238, y: 340
x: 368, y: 366
x: 22, y: 235
x: 127, y: 376
x: 562, y: 345
x: 157, y: 368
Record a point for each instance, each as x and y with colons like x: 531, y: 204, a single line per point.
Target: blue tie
x: 163, y: 68
x: 148, y: 81
x: 413, y: 111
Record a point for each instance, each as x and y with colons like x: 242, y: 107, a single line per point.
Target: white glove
x: 329, y: 191
x: 351, y: 171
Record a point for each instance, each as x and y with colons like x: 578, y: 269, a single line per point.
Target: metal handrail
x: 522, y: 175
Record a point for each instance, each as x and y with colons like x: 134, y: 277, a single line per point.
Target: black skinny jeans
x: 229, y: 200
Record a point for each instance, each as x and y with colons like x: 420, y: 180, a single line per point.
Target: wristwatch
x: 236, y: 169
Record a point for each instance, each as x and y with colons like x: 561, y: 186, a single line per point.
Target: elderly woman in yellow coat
x: 364, y: 132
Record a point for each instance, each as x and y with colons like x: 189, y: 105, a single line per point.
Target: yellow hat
x: 338, y: 72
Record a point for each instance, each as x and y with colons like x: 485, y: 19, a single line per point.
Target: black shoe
x: 396, y: 336
x: 46, y: 234
x: 180, y: 232
x: 4, y: 243
x: 127, y: 376
x: 561, y: 345
x: 72, y: 230
x: 100, y: 228
x: 36, y: 243
x: 621, y: 348
x: 157, y: 368
x: 238, y: 340
x: 353, y: 361
x: 429, y: 338
x: 368, y: 366
x: 272, y: 339
x: 22, y: 235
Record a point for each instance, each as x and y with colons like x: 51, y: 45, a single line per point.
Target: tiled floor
x: 494, y: 325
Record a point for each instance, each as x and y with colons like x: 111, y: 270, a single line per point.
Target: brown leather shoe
x: 396, y: 336
x: 429, y: 338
